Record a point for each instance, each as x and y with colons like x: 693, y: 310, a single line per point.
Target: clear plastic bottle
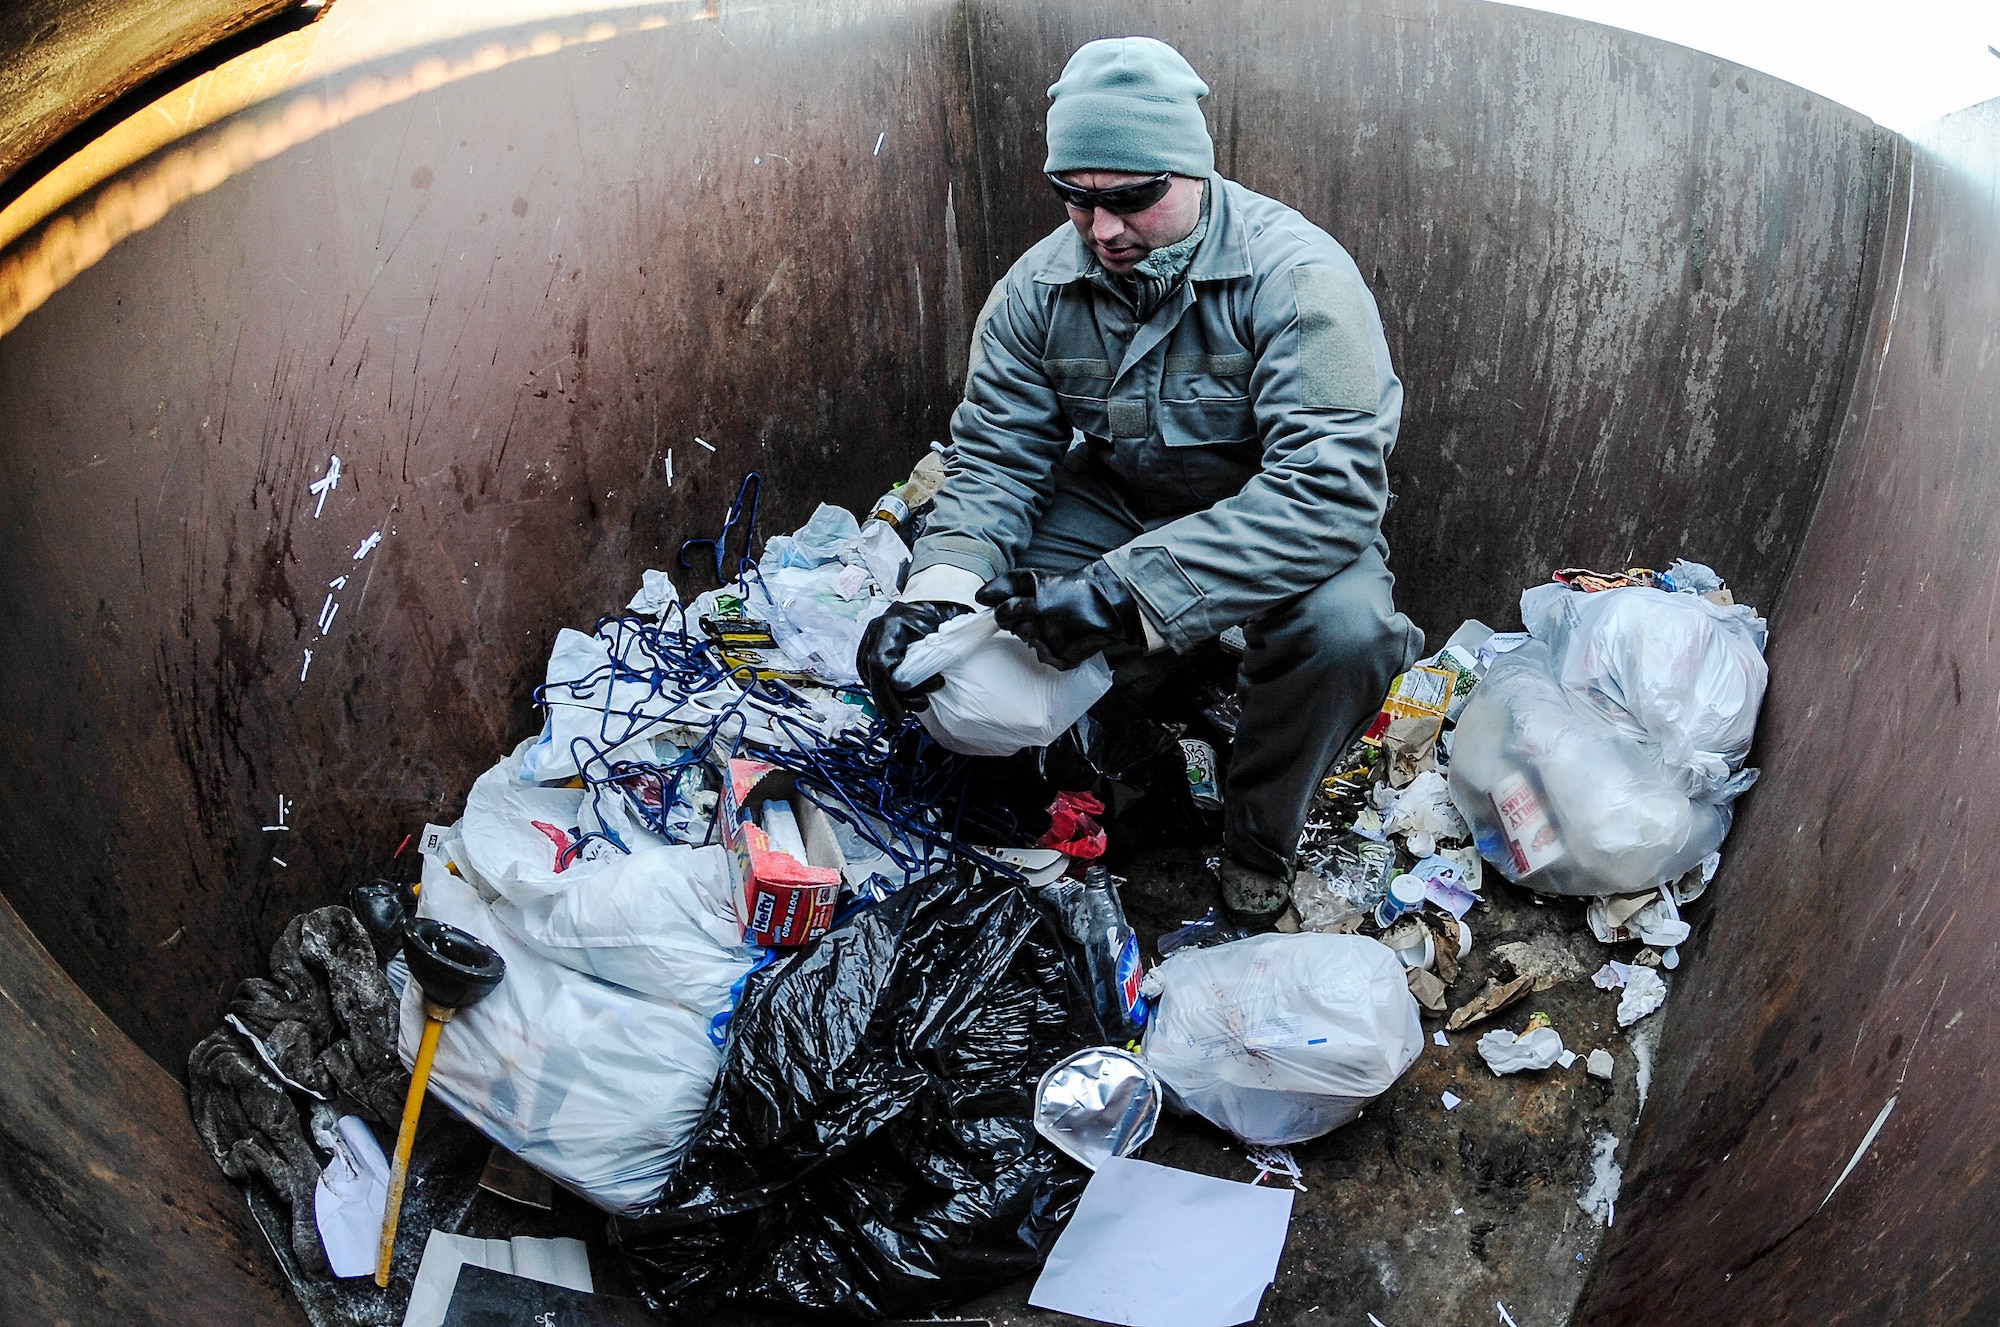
x: 1095, y: 919
x: 1113, y: 947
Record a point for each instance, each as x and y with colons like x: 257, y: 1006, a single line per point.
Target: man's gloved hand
x: 1067, y: 617
x: 884, y: 643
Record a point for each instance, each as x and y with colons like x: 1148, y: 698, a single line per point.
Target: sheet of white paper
x: 1151, y: 1246
x: 559, y: 1262
x: 349, y: 1200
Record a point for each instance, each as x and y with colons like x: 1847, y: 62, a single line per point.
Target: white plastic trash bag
x: 1673, y: 671
x: 1281, y: 1038
x: 660, y: 920
x: 997, y: 696
x: 1602, y: 756
x: 597, y: 1086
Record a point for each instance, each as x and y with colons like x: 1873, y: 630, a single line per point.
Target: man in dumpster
x: 1177, y: 418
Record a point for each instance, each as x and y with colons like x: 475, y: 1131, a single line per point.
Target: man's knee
x: 1347, y: 625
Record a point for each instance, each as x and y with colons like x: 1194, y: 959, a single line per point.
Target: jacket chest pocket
x: 1205, y: 401
x: 1082, y: 386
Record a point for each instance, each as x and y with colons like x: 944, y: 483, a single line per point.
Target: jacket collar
x: 1224, y: 253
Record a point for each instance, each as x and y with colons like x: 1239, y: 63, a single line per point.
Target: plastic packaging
x: 1074, y: 830
x: 1601, y: 757
x: 1211, y: 928
x: 597, y: 1086
x: 1097, y: 1104
x: 1095, y: 919
x: 997, y: 696
x: 818, y: 614
x: 1405, y: 895
x: 1281, y: 1038
x: 871, y: 1149
x: 1344, y: 885
x: 1675, y: 672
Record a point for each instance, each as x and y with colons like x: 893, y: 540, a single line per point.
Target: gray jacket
x: 1248, y: 421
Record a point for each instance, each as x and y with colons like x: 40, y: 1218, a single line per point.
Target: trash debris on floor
x: 870, y: 1147
x: 1098, y: 1103
x: 834, y: 1014
x: 557, y: 1262
x: 1537, y: 1047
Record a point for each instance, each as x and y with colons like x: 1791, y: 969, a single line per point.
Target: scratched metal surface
x: 110, y: 1210
x: 61, y: 61
x: 1619, y: 277
x: 501, y: 302
x: 1847, y: 963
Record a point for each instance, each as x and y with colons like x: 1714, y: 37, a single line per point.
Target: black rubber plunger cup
x: 453, y: 970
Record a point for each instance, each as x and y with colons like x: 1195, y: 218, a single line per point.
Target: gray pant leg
x: 1086, y: 519
x: 1315, y: 674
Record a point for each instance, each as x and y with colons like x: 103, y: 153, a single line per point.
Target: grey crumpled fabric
x: 328, y: 1020
x: 252, y: 1130
x: 326, y: 1014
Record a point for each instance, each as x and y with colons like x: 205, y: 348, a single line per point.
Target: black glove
x: 1068, y: 617
x: 884, y: 643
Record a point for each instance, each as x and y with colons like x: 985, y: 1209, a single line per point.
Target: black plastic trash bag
x: 869, y: 1148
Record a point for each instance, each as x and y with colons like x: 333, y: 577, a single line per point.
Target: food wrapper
x: 1463, y: 665
x: 1422, y: 693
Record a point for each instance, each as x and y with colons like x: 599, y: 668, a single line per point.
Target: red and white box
x: 779, y: 899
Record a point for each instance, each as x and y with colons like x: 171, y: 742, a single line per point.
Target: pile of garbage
x: 820, y: 1020
x: 1597, y: 754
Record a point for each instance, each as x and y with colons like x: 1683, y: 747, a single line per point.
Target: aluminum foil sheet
x: 1098, y: 1103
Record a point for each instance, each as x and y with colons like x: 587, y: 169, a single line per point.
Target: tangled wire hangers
x: 899, y: 794
x: 742, y: 511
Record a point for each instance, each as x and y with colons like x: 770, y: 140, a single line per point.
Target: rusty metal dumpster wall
x: 546, y: 289
x: 507, y: 303
x: 1818, y: 1148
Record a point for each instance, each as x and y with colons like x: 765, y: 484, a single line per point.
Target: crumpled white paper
x: 656, y: 595
x: 1645, y: 991
x: 1507, y: 1053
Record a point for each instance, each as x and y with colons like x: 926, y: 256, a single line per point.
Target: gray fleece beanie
x: 1129, y: 104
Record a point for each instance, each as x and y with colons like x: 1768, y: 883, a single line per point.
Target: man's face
x: 1121, y: 243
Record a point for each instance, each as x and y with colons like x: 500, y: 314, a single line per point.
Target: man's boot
x: 1253, y: 898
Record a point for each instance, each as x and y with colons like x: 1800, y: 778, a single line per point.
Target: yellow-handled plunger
x: 453, y: 970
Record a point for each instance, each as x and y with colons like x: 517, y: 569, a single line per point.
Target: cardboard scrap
x: 1492, y: 998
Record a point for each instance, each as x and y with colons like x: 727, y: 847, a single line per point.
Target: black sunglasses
x: 1120, y: 202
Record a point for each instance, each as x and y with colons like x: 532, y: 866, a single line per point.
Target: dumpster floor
x: 1413, y: 1213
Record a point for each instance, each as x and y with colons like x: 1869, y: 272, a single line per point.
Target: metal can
x: 1200, y: 758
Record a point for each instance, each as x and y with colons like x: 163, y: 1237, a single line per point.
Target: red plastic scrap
x: 1073, y: 827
